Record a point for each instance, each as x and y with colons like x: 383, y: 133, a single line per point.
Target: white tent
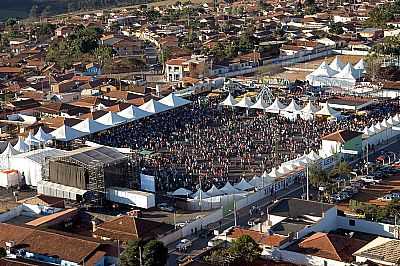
x: 321, y: 76
x: 243, y: 185
x: 396, y: 119
x: 313, y: 156
x: 111, y: 119
x: 274, y: 173
x: 229, y: 189
x: 66, y: 133
x: 31, y: 140
x: 182, y: 192
x: 7, y: 155
x: 360, y: 67
x: 310, y: 109
x: 174, y: 101
x: 390, y: 121
x: 275, y: 107
x: 245, y: 102
x: 42, y: 136
x: 326, y: 110
x: 30, y: 163
x: 336, y: 64
x: 283, y: 170
x: 9, y: 178
x: 21, y: 146
x: 133, y: 113
x: 154, y: 107
x: 200, y: 194
x: 214, y: 191
x: 293, y: 107
x: 229, y: 101
x: 256, y: 181
x: 260, y: 104
x: 347, y: 73
x: 90, y: 126
x: 304, y: 159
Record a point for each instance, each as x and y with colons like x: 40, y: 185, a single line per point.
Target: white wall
x: 302, y: 259
x: 364, y: 226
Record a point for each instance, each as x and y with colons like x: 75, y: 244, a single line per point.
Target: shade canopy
x: 243, y: 185
x: 229, y: 189
x: 31, y: 140
x: 111, y: 119
x: 293, y: 107
x: 42, y: 136
x: 90, y: 126
x: 182, y: 192
x: 174, y: 101
x: 260, y: 104
x: 326, y: 110
x: 133, y: 113
x: 214, y: 191
x: 360, y: 66
x: 274, y: 173
x: 310, y: 108
x: 154, y: 107
x: 324, y: 70
x: 229, y: 101
x: 347, y: 73
x: 313, y: 156
x: 200, y: 194
x: 336, y: 64
x: 9, y: 151
x: 245, y: 102
x: 275, y: 107
x: 21, y: 146
x: 66, y: 133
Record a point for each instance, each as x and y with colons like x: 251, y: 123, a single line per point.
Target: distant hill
x: 22, y: 8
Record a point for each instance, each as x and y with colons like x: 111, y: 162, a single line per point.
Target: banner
x: 147, y: 183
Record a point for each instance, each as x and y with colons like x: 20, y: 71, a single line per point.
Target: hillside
x: 23, y: 8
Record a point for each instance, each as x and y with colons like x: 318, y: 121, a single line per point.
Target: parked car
x: 214, y: 242
x: 184, y: 244
x: 166, y: 207
x: 182, y: 259
x: 370, y: 179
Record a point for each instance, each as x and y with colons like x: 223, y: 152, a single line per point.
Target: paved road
x: 200, y: 243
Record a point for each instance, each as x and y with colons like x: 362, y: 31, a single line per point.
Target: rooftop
x: 291, y: 207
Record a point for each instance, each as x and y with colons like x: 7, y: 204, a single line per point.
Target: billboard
x: 147, y: 183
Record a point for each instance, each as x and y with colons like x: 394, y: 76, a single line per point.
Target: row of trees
x: 381, y: 14
x: 377, y: 213
x: 152, y: 253
x: 242, y: 251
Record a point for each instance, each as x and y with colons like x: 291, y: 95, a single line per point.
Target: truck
x: 136, y: 198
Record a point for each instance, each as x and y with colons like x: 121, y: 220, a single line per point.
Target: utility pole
x: 234, y: 210
x: 307, y: 181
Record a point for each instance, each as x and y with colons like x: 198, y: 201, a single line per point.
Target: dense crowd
x: 207, y: 142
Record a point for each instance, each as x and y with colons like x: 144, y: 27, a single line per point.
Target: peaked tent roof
x: 396, y: 119
x: 132, y: 113
x: 310, y: 108
x: 154, y: 107
x: 229, y: 189
x: 256, y: 181
x: 360, y: 65
x: 293, y: 107
x: 245, y: 102
x: 21, y: 146
x: 324, y: 70
x: 174, y: 101
x: 182, y: 192
x: 9, y: 151
x: 313, y: 156
x: 336, y: 64
x: 276, y: 106
x: 90, y: 126
x: 111, y: 119
x: 274, y: 173
x: 31, y: 140
x: 66, y: 133
x: 348, y: 72
x: 260, y: 104
x: 283, y: 170
x: 326, y: 110
x: 214, y: 191
x: 390, y: 121
x: 243, y: 185
x: 42, y: 136
x: 229, y: 101
x: 204, y: 195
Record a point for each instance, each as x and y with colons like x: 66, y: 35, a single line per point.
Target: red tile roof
x: 259, y: 237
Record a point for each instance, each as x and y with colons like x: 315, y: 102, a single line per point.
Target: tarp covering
x: 21, y: 146
x: 214, y: 191
x: 182, y: 192
x: 174, y: 101
x: 229, y: 101
x: 154, y: 107
x: 90, y: 126
x: 133, y: 113
x: 42, y: 136
x: 111, y: 119
x: 243, y: 185
x: 66, y: 133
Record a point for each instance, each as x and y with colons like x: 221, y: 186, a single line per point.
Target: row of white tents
x: 257, y: 182
x: 111, y: 119
x: 337, y: 74
x: 277, y: 107
x: 382, y: 131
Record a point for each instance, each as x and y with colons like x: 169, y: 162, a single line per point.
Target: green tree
x: 245, y: 250
x: 374, y: 62
x: 130, y: 256
x: 336, y: 28
x: 11, y: 22
x: 155, y: 253
x: 103, y: 54
x: 317, y: 176
x: 342, y: 168
x: 3, y: 252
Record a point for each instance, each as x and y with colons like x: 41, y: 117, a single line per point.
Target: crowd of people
x: 205, y: 142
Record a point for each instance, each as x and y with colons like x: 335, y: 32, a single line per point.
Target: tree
x: 34, y: 12
x: 3, y: 252
x: 374, y: 63
x: 155, y: 253
x: 342, y: 168
x: 317, y: 176
x: 245, y: 250
x: 11, y: 22
x: 336, y: 28
x: 103, y: 54
x: 130, y: 256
